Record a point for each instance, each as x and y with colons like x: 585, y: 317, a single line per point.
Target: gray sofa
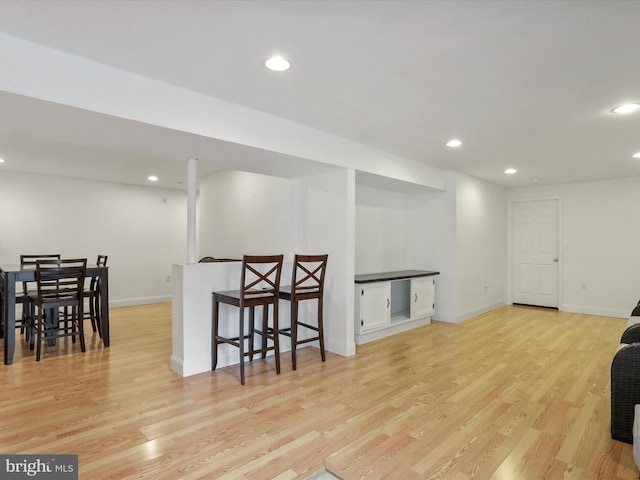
x: 625, y: 380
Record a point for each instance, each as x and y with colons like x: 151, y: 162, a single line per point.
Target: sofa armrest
x: 631, y: 333
x: 625, y: 391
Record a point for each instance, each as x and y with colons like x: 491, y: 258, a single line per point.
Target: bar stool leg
x: 252, y: 329
x: 241, y: 343
x: 321, y: 330
x: 214, y: 335
x: 276, y: 336
x: 265, y: 329
x: 294, y: 332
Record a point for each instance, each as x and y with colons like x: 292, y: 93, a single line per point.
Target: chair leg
x: 92, y: 313
x: 252, y: 329
x: 32, y: 326
x: 241, y: 343
x: 98, y: 320
x: 265, y: 329
x: 214, y: 336
x: 294, y: 332
x: 74, y: 315
x: 276, y: 336
x: 39, y: 327
x: 321, y: 330
x: 80, y: 324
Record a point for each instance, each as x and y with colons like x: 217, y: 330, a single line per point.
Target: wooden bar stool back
x: 259, y: 286
x: 307, y: 283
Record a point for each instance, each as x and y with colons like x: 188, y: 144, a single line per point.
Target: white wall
x: 141, y: 229
x: 381, y: 233
x: 599, y: 229
x: 481, y: 246
x: 431, y: 227
x: 244, y: 213
x: 325, y: 213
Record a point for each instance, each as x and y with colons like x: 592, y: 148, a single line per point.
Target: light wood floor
x: 517, y: 393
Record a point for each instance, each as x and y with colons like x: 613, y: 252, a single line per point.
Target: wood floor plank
x: 518, y: 393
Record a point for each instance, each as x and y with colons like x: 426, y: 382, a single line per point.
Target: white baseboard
x: 603, y: 312
x: 177, y: 365
x: 452, y: 318
x: 130, y: 302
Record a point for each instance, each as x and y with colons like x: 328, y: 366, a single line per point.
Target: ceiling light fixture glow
x: 454, y: 143
x: 626, y: 108
x: 277, y: 64
x: 510, y: 171
x: 152, y: 178
x: 636, y: 155
x: 1, y: 160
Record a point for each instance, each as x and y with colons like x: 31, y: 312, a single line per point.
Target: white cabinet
x: 374, y: 302
x: 422, y: 296
x: 403, y: 300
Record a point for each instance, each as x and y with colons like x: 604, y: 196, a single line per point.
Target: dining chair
x: 259, y: 284
x: 29, y: 288
x: 60, y: 283
x: 307, y: 283
x: 92, y: 294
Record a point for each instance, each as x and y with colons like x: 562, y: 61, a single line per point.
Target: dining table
x: 12, y: 275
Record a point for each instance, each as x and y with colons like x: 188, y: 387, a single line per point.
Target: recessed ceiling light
x: 277, y: 64
x: 626, y: 108
x: 1, y: 160
x: 454, y: 143
x: 636, y: 155
x: 510, y: 171
x: 152, y: 178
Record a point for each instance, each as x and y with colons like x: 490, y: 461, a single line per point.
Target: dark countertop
x: 398, y: 275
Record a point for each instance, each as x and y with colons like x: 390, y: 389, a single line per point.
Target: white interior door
x: 535, y: 253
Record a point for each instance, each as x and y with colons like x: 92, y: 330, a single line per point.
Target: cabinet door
x: 422, y: 297
x: 375, y: 303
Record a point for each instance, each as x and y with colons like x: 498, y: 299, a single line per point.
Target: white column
x: 192, y: 193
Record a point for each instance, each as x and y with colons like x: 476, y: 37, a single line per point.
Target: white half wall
x: 141, y: 229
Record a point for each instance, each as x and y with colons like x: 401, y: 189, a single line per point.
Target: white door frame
x: 561, y: 249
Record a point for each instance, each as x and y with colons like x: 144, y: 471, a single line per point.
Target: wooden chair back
x: 60, y: 282
x: 30, y: 260
x: 101, y: 261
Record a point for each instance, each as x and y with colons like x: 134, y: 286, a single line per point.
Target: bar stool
x: 259, y: 284
x: 307, y: 283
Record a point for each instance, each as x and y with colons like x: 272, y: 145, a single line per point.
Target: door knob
x: 555, y: 259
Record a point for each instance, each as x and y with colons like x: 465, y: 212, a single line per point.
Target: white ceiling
x: 524, y: 84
